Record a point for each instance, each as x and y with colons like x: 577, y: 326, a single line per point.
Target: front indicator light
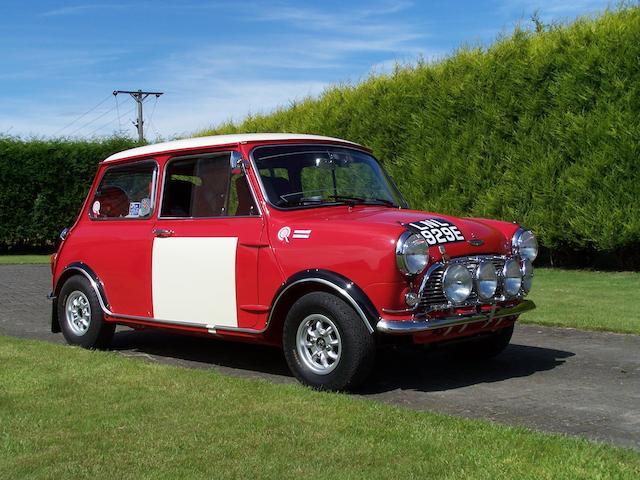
x: 411, y: 299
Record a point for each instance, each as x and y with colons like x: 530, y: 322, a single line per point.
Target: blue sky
x: 219, y: 60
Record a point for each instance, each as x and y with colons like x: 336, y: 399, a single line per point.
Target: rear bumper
x: 413, y: 326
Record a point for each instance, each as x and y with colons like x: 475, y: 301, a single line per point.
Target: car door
x: 117, y: 240
x: 205, y: 250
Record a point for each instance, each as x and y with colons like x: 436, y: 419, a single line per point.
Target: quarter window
x: 204, y: 186
x: 126, y: 191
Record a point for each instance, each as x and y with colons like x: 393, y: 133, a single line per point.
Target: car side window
x: 125, y: 191
x: 204, y: 186
x: 240, y: 201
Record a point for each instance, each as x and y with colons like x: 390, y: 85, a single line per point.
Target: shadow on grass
x: 403, y: 368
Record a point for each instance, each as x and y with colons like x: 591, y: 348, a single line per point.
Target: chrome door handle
x: 163, y: 232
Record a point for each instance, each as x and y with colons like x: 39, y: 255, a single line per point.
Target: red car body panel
x: 356, y: 242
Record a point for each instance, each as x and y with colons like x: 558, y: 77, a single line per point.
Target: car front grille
x: 432, y: 295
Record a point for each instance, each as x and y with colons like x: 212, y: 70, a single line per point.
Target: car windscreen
x: 296, y: 176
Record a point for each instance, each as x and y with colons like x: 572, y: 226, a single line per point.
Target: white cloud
x: 84, y: 8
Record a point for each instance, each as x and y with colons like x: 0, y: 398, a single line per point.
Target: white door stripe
x: 301, y: 233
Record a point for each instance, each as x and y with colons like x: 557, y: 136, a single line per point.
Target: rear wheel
x: 326, y: 344
x: 80, y: 316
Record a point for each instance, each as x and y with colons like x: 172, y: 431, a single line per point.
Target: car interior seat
x: 114, y: 202
x: 245, y: 200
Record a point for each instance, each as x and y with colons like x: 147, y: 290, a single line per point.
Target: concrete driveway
x: 550, y: 379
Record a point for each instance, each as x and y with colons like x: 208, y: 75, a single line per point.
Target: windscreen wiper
x: 363, y: 201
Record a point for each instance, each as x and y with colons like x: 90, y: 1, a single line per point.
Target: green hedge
x: 42, y: 187
x: 541, y: 128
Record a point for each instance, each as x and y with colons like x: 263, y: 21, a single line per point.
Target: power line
x: 118, y: 119
x: 155, y: 104
x: 92, y: 121
x: 82, y: 116
x: 150, y: 119
x: 155, y: 130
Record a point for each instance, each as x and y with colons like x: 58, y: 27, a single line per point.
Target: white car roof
x: 216, y: 140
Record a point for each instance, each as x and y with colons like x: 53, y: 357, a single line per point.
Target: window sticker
x: 145, y: 207
x: 96, y: 208
x: 134, y: 209
x: 436, y: 231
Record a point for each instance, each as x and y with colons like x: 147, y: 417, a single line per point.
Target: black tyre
x: 489, y: 346
x: 326, y: 343
x: 80, y: 316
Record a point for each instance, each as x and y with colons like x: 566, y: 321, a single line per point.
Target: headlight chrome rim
x: 486, y: 276
x: 511, y: 277
x: 411, y: 263
x: 525, y: 244
x: 463, y: 280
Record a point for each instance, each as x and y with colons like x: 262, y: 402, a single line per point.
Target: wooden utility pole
x: 139, y: 97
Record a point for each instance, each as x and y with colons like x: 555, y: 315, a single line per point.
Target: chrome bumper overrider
x: 415, y: 326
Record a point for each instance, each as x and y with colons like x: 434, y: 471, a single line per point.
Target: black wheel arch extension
x: 319, y: 279
x: 75, y: 268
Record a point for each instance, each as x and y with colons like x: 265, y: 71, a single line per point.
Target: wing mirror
x: 237, y: 161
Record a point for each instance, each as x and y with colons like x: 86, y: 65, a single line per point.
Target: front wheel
x: 80, y: 316
x: 326, y: 344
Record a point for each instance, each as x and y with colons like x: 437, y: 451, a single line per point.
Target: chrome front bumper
x: 414, y: 326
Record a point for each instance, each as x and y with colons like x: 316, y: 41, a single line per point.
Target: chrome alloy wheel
x: 319, y: 344
x: 78, y: 312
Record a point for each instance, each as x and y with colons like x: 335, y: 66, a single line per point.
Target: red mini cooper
x: 300, y: 241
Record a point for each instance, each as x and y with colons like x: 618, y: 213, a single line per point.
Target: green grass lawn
x: 586, y: 300
x: 72, y: 413
x: 23, y: 259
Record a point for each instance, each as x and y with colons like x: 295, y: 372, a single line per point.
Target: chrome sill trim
x: 158, y: 320
x: 212, y: 329
x: 216, y: 330
x: 414, y: 326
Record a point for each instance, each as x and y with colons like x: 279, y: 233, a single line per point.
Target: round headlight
x: 457, y: 283
x: 412, y: 253
x: 512, y: 277
x: 486, y: 279
x: 527, y: 274
x: 524, y: 243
